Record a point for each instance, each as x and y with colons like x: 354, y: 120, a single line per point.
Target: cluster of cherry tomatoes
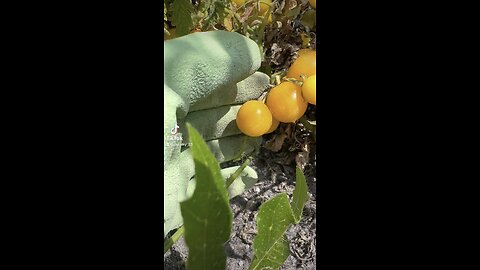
x: 286, y: 102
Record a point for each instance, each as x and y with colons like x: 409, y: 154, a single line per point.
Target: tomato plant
x: 254, y: 118
x: 285, y: 32
x: 286, y: 102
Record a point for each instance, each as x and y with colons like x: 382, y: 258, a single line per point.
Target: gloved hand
x: 207, y: 77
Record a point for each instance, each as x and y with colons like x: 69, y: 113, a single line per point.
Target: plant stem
x: 172, y: 240
x: 237, y: 173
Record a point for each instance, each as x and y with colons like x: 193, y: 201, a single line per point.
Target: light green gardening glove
x: 207, y: 78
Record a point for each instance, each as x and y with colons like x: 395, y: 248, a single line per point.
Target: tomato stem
x: 172, y: 240
x: 295, y: 81
x: 237, y: 173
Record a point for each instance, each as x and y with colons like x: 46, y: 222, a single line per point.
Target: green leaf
x: 182, y: 11
x: 300, y: 195
x: 294, y: 12
x: 274, y: 217
x: 216, y: 12
x: 309, y: 18
x: 270, y: 246
x: 207, y: 214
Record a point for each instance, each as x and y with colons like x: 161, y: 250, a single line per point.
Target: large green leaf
x: 207, y: 214
x: 300, y: 195
x: 273, y: 219
x: 182, y: 11
x: 270, y: 246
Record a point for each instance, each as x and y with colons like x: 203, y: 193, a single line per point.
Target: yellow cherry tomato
x: 303, y: 51
x: 309, y: 90
x: 286, y: 102
x: 254, y: 118
x: 274, y: 126
x: 306, y: 64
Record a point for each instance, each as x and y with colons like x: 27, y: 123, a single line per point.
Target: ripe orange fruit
x: 306, y: 64
x: 254, y: 118
x: 286, y: 102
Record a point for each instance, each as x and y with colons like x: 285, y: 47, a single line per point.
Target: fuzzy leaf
x: 207, y: 214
